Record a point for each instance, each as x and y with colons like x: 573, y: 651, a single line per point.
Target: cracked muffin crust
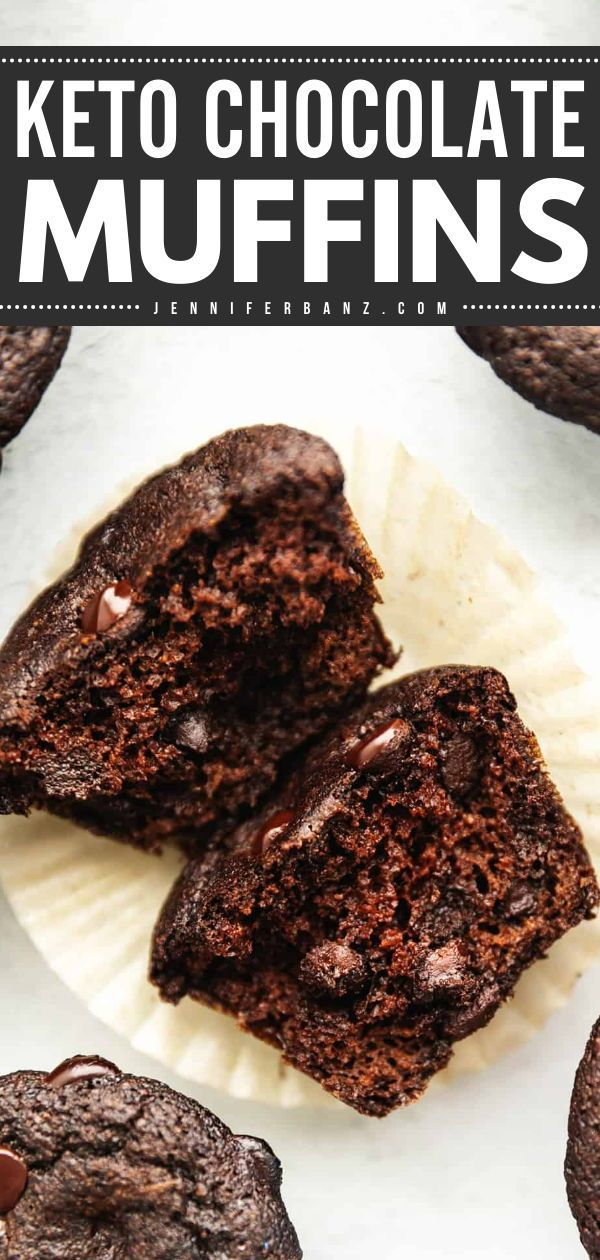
x: 555, y: 368
x: 99, y: 1165
x: 582, y: 1164
x: 217, y: 620
x: 386, y: 901
x: 29, y: 358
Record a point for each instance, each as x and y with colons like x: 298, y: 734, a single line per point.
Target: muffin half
x: 386, y: 902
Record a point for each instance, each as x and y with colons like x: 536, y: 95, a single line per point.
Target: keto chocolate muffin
x: 386, y: 902
x: 555, y: 368
x: 218, y: 619
x: 98, y: 1165
x: 582, y: 1165
x: 29, y: 358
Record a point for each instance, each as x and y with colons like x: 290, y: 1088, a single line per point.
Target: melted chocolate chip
x: 106, y: 608
x: 13, y: 1179
x: 80, y: 1068
x: 461, y: 1023
x: 269, y: 831
x: 190, y: 730
x: 460, y: 764
x: 333, y: 970
x: 520, y: 901
x: 442, y: 971
x: 384, y: 739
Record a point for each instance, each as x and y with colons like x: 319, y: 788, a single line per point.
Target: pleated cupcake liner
x: 453, y: 591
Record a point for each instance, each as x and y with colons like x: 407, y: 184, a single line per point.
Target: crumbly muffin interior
x: 236, y: 649
x: 397, y: 907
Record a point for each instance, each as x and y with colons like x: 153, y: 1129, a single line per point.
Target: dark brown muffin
x: 29, y: 358
x: 555, y: 368
x: 388, y: 899
x: 582, y: 1165
x: 222, y: 616
x: 97, y: 1165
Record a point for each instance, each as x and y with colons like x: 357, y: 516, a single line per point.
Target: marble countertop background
x: 471, y: 1171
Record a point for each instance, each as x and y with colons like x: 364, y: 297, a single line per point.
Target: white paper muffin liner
x: 453, y: 591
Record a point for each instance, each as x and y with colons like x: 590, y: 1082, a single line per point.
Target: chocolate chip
x: 106, y: 607
x: 460, y: 1023
x: 80, y: 1068
x: 333, y: 970
x: 385, y: 739
x: 520, y: 901
x: 190, y: 730
x: 269, y: 831
x: 13, y: 1179
x: 460, y: 764
x: 442, y: 970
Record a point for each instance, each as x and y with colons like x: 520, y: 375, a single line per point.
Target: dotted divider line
x: 56, y: 306
x: 395, y: 61
x: 482, y: 306
x: 537, y: 306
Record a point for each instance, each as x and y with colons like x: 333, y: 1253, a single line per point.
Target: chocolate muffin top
x: 219, y: 618
x: 557, y: 368
x: 29, y: 358
x: 582, y: 1164
x: 232, y: 473
x: 99, y: 1165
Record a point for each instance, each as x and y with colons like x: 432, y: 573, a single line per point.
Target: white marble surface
x: 475, y: 1171
x: 311, y: 22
